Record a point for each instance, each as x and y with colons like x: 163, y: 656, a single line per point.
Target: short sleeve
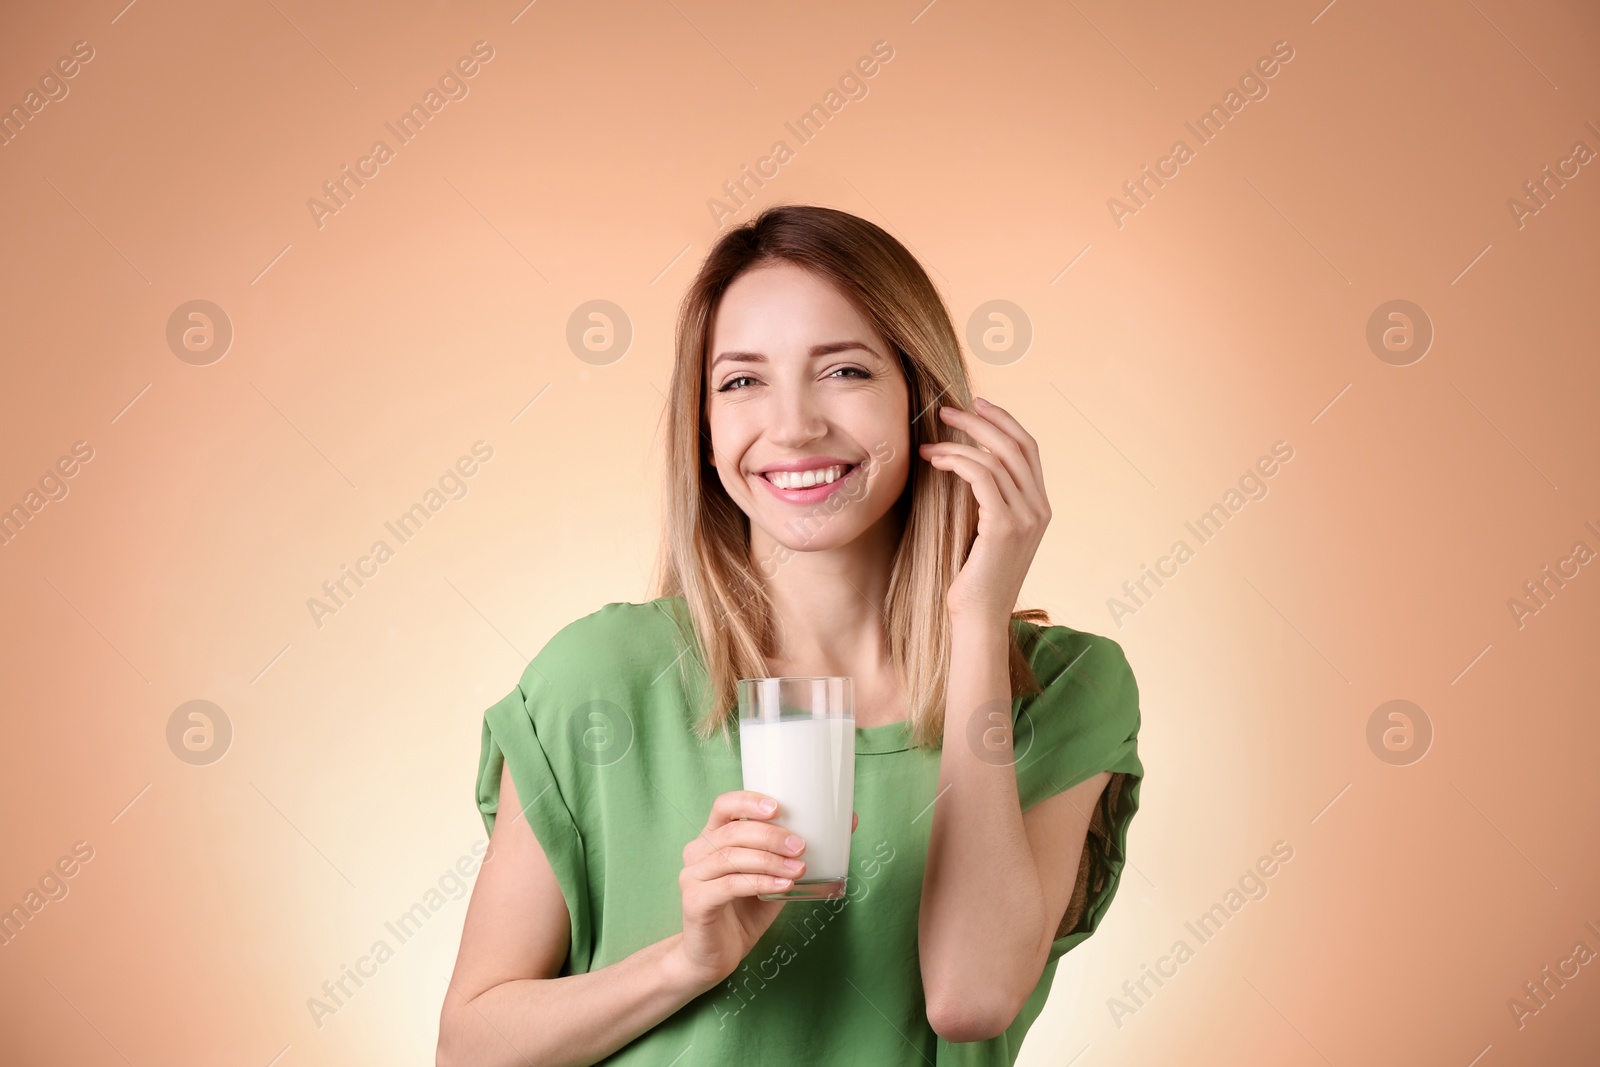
x: 1084, y: 720
x: 509, y: 737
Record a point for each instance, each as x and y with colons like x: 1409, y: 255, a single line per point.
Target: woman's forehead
x: 785, y: 311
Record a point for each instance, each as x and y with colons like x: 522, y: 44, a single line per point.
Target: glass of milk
x: 797, y: 744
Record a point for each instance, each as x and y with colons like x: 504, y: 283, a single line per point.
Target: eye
x: 864, y: 374
x: 728, y: 385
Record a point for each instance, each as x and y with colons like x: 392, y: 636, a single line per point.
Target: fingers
x: 767, y: 836
x: 999, y: 431
x: 1012, y: 459
x: 740, y: 804
x: 737, y: 818
x: 976, y: 473
x: 746, y: 858
x: 976, y: 464
x: 708, y: 896
x: 1008, y: 422
x: 748, y: 861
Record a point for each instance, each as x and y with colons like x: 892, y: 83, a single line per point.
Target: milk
x: 808, y: 765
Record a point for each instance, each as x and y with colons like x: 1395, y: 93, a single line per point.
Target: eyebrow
x: 827, y: 349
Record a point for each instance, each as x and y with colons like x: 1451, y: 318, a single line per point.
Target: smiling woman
x: 622, y: 920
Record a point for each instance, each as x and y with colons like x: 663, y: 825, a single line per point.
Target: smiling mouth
x: 807, y: 479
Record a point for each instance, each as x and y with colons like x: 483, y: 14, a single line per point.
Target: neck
x: 828, y: 604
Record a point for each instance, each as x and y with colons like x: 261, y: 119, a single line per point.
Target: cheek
x: 720, y: 435
x: 890, y: 475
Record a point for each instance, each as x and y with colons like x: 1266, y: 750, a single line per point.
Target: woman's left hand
x: 1012, y: 510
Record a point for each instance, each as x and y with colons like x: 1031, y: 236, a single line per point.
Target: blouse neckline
x: 870, y: 740
x: 889, y: 737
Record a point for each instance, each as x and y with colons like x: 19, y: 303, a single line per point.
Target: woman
x: 825, y: 516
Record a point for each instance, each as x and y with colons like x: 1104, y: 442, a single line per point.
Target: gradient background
x: 1166, y: 356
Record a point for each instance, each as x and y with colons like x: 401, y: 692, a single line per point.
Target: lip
x: 814, y: 493
x: 810, y: 463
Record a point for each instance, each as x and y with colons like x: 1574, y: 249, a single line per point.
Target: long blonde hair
x: 705, y: 550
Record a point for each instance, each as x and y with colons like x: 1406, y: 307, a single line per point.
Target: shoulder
x: 619, y: 644
x: 1077, y: 661
x: 1085, y: 717
x: 1052, y: 650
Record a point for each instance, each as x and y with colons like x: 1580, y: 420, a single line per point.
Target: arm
x: 998, y: 880
x: 505, y: 1005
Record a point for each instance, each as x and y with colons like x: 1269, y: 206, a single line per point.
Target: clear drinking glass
x: 797, y: 744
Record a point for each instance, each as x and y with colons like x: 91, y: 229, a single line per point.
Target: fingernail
x: 793, y: 865
x: 794, y: 843
x: 783, y: 883
x: 769, y: 805
x: 982, y: 402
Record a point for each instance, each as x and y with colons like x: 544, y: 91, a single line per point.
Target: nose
x: 797, y: 420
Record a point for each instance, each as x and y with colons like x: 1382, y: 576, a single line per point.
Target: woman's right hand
x: 738, y: 855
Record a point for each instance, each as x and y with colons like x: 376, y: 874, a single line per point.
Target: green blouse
x: 599, y: 738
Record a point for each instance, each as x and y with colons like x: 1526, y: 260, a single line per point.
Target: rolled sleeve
x: 509, y: 738
x: 1085, y: 720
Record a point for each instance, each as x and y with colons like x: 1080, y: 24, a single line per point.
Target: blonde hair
x: 705, y: 550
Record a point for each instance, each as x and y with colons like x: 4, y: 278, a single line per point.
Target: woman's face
x: 800, y: 388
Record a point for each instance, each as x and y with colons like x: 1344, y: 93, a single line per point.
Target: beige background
x: 371, y: 352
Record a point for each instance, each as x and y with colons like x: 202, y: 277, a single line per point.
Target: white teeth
x: 806, y: 479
